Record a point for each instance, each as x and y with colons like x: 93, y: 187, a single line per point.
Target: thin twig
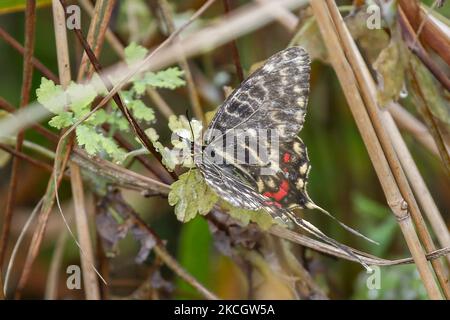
x: 234, y: 48
x: 415, y: 127
x: 51, y: 287
x: 241, y: 22
x: 36, y: 63
x: 23, y: 156
x: 166, y: 15
x: 30, y: 24
x: 431, y: 33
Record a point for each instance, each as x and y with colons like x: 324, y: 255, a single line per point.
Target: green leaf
x: 391, y: 73
x: 191, y: 196
x: 427, y: 93
x: 141, y: 111
x: 111, y: 148
x: 51, y: 96
x: 134, y: 53
x: 87, y: 137
x: 169, y: 78
x: 95, y: 142
x: 260, y: 217
x: 98, y: 118
x: 139, y: 86
x: 117, y: 120
x: 81, y: 97
x: 62, y: 120
x: 152, y: 134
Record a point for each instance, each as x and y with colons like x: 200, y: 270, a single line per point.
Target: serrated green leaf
x: 62, y: 120
x: 134, y: 53
x: 141, y: 111
x: 169, y: 78
x: 118, y: 120
x: 51, y: 96
x: 87, y: 137
x: 139, y: 86
x: 111, y: 147
x: 191, y: 196
x: 81, y: 97
x: 98, y: 118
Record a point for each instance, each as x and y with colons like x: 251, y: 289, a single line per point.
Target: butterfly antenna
x: 190, y: 126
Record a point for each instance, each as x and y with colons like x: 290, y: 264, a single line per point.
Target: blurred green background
x: 342, y: 179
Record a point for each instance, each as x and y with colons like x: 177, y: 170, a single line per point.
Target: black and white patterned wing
x: 273, y: 97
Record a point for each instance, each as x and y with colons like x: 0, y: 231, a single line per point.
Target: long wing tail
x: 312, y: 205
x: 314, y: 231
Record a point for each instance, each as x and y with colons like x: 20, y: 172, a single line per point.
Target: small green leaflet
x: 62, y: 120
x: 141, y: 111
x: 169, y: 79
x: 260, y: 217
x: 51, y: 96
x: 134, y: 53
x: 95, y: 142
x: 191, y: 196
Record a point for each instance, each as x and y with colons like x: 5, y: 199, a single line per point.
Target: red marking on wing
x: 281, y: 193
x: 286, y: 157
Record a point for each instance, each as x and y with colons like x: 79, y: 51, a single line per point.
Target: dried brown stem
x: 370, y: 130
x: 36, y: 63
x: 387, y: 132
x: 165, y: 14
x: 30, y: 24
x: 233, y: 47
x: 431, y: 34
x: 409, y: 123
x: 27, y: 158
x: 118, y: 100
x: 5, y: 105
x: 415, y: 46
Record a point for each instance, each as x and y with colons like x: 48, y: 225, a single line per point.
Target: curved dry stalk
x: 51, y: 287
x: 30, y: 24
x: 167, y: 17
x: 409, y: 123
x: 242, y: 21
x: 370, y: 130
x: 17, y: 246
x: 387, y: 132
x: 117, y: 46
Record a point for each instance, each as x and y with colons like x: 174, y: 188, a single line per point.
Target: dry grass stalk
x: 51, y: 288
x: 391, y: 189
x: 415, y: 127
x: 117, y: 46
x: 165, y: 14
x: 30, y: 24
x: 387, y: 131
x: 91, y: 287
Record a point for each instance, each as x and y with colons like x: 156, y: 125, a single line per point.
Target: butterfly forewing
x: 269, y: 107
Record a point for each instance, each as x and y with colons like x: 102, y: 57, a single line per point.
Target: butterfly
x: 265, y: 113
